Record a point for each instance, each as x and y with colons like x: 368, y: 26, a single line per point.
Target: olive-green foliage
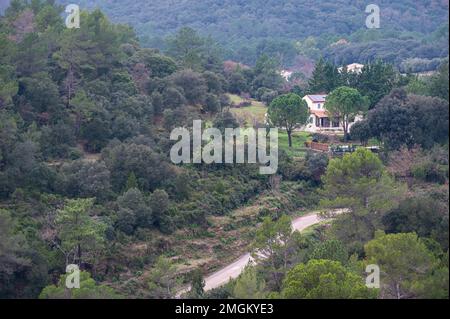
x: 331, y: 250
x: 89, y: 289
x: 324, y: 279
x: 134, y: 211
x: 405, y: 119
x: 408, y: 268
x: 273, y: 245
x: 81, y: 236
x: 86, y: 113
x: 425, y: 215
x: 439, y: 85
x: 288, y: 111
x: 12, y: 249
x: 85, y: 179
x: 359, y: 183
x: 197, y: 285
x: 345, y: 103
x: 162, y: 279
x: 148, y: 166
x: 248, y: 285
x: 281, y: 29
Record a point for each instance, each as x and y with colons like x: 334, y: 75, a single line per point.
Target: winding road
x: 233, y: 270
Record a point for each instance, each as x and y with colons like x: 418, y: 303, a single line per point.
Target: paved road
x: 233, y: 270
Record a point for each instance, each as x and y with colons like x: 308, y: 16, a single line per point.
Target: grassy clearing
x: 298, y: 143
x: 251, y: 115
x: 256, y: 113
x: 248, y: 115
x: 235, y: 99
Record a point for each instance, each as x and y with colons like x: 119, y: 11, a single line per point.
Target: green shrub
x: 430, y: 172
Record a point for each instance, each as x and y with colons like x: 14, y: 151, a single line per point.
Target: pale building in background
x: 353, y: 68
x: 286, y: 74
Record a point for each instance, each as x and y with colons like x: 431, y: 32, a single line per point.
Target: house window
x: 318, y: 106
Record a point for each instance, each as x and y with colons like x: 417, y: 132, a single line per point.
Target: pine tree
x: 325, y: 78
x: 78, y: 232
x: 131, y: 182
x: 319, y: 82
x: 197, y: 285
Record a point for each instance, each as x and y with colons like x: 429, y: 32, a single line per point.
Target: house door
x: 326, y: 122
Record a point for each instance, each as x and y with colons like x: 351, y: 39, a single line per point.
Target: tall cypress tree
x: 325, y: 78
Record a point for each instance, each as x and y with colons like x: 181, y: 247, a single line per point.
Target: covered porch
x: 323, y: 121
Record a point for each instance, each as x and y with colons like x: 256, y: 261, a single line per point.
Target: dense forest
x: 86, y: 179
x: 336, y: 29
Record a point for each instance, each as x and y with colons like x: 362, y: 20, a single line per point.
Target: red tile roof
x: 320, y: 114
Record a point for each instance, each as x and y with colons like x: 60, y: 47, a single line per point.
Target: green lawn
x: 235, y: 99
x: 249, y: 114
x: 257, y: 111
x: 298, y: 143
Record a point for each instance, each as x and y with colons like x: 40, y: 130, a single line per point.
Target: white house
x: 319, y: 119
x: 353, y: 68
x: 286, y: 74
